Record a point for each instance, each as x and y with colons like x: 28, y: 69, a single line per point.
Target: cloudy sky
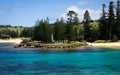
x: 26, y: 12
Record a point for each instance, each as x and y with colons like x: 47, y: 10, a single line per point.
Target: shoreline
x: 105, y: 45
x: 16, y: 41
x: 28, y: 43
x: 53, y: 46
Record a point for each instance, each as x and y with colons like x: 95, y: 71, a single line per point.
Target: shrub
x: 115, y: 38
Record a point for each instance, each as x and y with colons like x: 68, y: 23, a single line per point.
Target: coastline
x: 16, y: 41
x: 49, y: 46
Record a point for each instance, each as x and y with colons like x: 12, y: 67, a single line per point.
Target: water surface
x: 38, y: 62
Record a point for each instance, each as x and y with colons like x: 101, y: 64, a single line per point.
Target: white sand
x: 108, y: 45
x: 13, y: 41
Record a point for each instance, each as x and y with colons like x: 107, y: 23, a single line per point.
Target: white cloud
x: 83, y: 3
x: 95, y: 14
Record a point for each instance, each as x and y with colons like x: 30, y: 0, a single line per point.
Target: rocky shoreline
x: 34, y: 44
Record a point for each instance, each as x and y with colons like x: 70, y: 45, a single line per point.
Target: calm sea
x: 93, y: 61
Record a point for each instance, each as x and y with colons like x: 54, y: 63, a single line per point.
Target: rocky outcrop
x: 35, y: 44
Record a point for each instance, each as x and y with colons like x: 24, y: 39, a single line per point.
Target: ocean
x: 91, y: 61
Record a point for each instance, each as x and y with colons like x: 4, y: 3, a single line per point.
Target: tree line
x: 60, y: 30
x: 110, y: 21
x: 106, y: 28
x: 8, y: 31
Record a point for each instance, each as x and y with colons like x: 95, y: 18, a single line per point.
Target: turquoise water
x: 79, y: 62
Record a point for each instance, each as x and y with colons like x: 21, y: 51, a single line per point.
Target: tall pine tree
x: 111, y: 21
x: 71, y: 22
x: 87, y: 31
x: 118, y: 18
x: 43, y: 31
x: 103, y: 26
x: 59, y: 30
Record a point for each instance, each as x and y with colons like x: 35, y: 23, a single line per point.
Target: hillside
x: 7, y: 31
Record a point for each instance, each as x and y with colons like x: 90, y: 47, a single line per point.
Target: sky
x: 27, y: 12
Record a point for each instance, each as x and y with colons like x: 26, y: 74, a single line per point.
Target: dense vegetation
x: 8, y: 31
x: 109, y: 22
x: 106, y: 28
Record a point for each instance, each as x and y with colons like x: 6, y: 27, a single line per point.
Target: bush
x: 115, y: 38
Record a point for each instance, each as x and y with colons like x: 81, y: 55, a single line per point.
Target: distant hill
x: 7, y: 31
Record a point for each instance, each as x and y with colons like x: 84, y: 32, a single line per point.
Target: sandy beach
x: 13, y: 41
x: 105, y: 45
